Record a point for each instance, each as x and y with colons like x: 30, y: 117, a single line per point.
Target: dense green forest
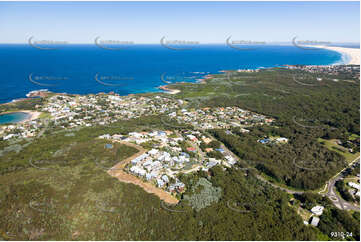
x: 299, y: 163
x: 274, y: 92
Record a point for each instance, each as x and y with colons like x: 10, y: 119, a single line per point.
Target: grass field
x: 331, y: 145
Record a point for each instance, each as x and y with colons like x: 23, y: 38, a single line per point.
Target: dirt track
x: 117, y: 171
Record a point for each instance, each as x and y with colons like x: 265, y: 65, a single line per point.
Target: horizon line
x: 208, y: 43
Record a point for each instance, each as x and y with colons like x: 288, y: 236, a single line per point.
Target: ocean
x: 85, y: 69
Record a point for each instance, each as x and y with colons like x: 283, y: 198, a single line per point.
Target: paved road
x: 335, y: 198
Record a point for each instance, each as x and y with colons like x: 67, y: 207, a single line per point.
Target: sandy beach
x: 32, y: 115
x: 352, y: 53
x: 170, y: 91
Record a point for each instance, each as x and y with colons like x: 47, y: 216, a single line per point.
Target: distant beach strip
x: 352, y: 55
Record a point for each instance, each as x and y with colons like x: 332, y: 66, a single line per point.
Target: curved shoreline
x: 352, y: 58
x: 169, y: 90
x: 353, y: 54
x: 32, y: 115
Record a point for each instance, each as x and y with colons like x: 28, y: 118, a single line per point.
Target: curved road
x: 338, y: 201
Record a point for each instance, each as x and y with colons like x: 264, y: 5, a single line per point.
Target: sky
x: 204, y: 22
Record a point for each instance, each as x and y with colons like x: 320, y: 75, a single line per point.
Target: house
x: 191, y: 149
x: 184, y: 154
x: 165, y: 178
x: 118, y: 137
x: 208, y: 149
x: 220, y: 150
x: 318, y: 210
x: 105, y: 136
x: 354, y: 185
x: 230, y: 160
x: 314, y: 221
x: 148, y: 176
x: 154, y: 173
x: 179, y: 186
x: 282, y: 139
x: 206, y: 140
x: 160, y: 182
x: 244, y: 130
x: 162, y: 133
x: 153, y: 151
x: 135, y: 134
x: 138, y: 171
x: 212, y: 163
x: 264, y: 141
x: 139, y: 158
x: 192, y: 137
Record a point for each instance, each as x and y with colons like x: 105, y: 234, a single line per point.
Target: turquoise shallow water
x: 13, y: 117
x: 84, y: 69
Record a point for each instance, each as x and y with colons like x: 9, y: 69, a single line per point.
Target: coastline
x: 32, y: 115
x: 353, y: 54
x: 176, y: 91
x: 169, y: 90
x: 352, y: 58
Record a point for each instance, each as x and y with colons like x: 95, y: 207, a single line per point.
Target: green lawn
x: 353, y: 137
x: 329, y: 144
x: 44, y: 115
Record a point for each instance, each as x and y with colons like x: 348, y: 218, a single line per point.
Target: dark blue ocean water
x: 83, y: 69
x: 13, y: 117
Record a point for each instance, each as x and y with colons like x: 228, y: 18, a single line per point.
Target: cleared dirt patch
x: 116, y: 171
